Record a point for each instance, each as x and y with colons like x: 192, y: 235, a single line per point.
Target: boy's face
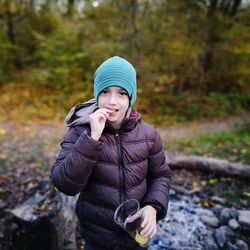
x: 117, y: 100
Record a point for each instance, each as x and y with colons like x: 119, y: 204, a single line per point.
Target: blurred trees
x: 20, y: 24
x: 178, y: 47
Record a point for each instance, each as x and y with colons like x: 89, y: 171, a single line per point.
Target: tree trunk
x: 211, y: 165
x: 11, y: 34
x: 235, y: 7
x: 136, y: 32
x: 229, y: 8
x: 70, y: 7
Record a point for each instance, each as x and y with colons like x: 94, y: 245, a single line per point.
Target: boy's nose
x: 112, y: 99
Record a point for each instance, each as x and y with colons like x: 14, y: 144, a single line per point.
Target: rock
x: 203, y: 211
x: 196, y: 200
x: 211, y: 221
x: 194, y: 191
x: 217, y: 209
x: 244, y: 219
x: 218, y: 200
x: 225, y: 215
x: 234, y: 224
x: 230, y: 246
x: 234, y: 213
x: 221, y: 234
x: 243, y: 203
x: 179, y: 189
x: 220, y: 237
x: 172, y: 192
x: 241, y: 245
x: 190, y: 226
x: 207, y: 240
x: 228, y: 231
x: 25, y: 211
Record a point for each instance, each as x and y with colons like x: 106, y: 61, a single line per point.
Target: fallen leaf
x: 212, y: 181
x: 204, y: 183
x: 195, y: 184
x: 3, y: 131
x: 246, y: 194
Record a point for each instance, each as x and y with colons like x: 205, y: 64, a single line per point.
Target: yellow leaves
x: 203, y: 183
x: 177, y: 45
x: 212, y: 181
x: 164, y: 79
x: 235, y: 150
x: 206, y: 204
x: 246, y: 194
x: 159, y: 89
x: 244, y: 49
x: 139, y: 90
x: 195, y: 184
x: 243, y: 151
x: 3, y: 131
x: 42, y: 208
x: 26, y: 103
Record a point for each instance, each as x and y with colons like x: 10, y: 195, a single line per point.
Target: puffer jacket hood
x: 79, y: 114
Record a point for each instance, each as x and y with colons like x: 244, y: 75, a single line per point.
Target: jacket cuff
x: 160, y: 211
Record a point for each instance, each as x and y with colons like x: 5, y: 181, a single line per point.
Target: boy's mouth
x: 114, y: 110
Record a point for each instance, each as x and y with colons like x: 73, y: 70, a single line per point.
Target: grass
x: 231, y: 145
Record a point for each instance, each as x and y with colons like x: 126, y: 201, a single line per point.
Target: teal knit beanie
x: 116, y: 71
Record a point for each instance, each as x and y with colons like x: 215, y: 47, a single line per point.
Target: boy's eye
x: 123, y: 93
x: 104, y: 91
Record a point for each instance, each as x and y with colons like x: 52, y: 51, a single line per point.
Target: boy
x: 110, y: 155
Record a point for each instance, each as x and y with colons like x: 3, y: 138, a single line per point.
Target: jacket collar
x: 128, y: 124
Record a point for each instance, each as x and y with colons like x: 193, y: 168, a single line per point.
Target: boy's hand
x: 97, y: 122
x: 148, y: 225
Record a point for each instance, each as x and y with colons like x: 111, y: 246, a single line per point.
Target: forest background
x: 193, y: 66
x: 192, y: 57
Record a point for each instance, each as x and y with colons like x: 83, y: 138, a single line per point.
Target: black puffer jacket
x: 123, y: 164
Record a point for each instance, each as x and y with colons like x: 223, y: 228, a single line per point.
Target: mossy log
x: 211, y: 165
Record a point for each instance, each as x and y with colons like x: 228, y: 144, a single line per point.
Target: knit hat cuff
x: 115, y: 79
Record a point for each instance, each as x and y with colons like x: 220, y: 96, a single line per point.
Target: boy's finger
x: 133, y: 217
x: 145, y: 230
x: 144, y: 223
x: 106, y: 114
x: 151, y: 232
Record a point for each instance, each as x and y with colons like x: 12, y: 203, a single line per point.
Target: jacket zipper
x: 121, y: 168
